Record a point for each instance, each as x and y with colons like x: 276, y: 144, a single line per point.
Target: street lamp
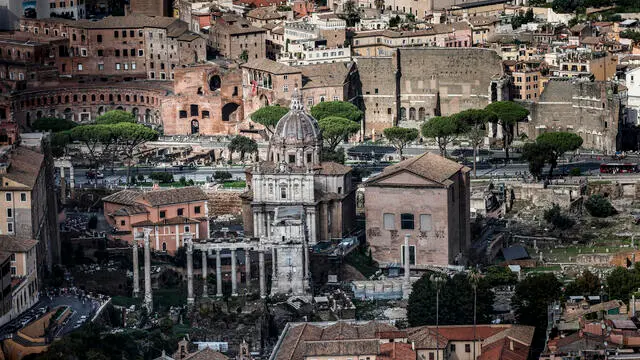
x: 474, y: 278
x: 437, y: 280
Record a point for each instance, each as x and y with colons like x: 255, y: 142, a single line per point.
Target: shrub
x: 162, y: 177
x: 140, y: 178
x: 575, y: 172
x: 599, y: 206
x: 222, y: 176
x: 555, y: 217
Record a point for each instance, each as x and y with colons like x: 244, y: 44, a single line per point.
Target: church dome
x: 297, y: 127
x: 297, y: 139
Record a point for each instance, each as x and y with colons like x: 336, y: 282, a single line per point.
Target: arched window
x: 84, y: 98
x: 227, y: 110
x: 214, y: 83
x: 164, y: 246
x: 111, y: 97
x: 195, y: 127
x: 421, y: 114
x: 403, y: 113
x: 119, y: 98
x: 66, y: 99
x: 101, y: 97
x: 412, y: 113
x: 127, y: 98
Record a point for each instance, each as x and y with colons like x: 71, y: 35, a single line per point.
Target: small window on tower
x: 292, y: 158
x: 308, y: 158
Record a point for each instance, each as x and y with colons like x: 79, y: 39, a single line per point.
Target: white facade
x: 73, y: 9
x: 633, y: 96
x: 300, y: 55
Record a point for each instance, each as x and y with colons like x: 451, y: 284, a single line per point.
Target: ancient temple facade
x: 296, y: 200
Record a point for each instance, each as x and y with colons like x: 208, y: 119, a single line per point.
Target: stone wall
x: 419, y: 83
x: 589, y: 109
x: 543, y: 196
x: 223, y: 202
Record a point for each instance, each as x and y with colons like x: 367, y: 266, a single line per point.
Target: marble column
x: 218, y: 274
x: 148, y: 296
x: 205, y: 290
x: 63, y: 187
x: 189, y: 244
x: 406, y: 285
x: 274, y: 269
x: 263, y: 286
x: 72, y: 182
x: 247, y: 268
x: 307, y: 277
x: 136, y: 269
x: 234, y: 275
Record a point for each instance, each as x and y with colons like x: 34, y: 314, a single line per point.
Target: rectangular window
x: 453, y: 347
x: 13, y: 270
x: 194, y: 110
x: 425, y: 222
x: 285, y: 88
x: 432, y: 356
x: 23, y: 197
x: 205, y: 114
x: 116, y: 34
x: 117, y: 52
x: 122, y: 222
x: 79, y: 67
x: 8, y: 196
x: 163, y: 214
x: 99, y: 38
x: 187, y: 228
x: 100, y: 52
x: 100, y: 67
x: 126, y: 66
x: 9, y: 212
x: 467, y: 348
x: 140, y: 52
x: 389, y: 221
x: 133, y: 66
x: 406, y: 222
x: 13, y: 257
x: 283, y: 192
x: 117, y: 66
x: 292, y: 159
x: 196, y: 209
x: 412, y: 254
x: 183, y: 114
x: 180, y: 211
x: 10, y: 228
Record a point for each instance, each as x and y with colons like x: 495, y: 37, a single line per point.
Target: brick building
x: 128, y: 47
x: 150, y: 7
x: 170, y: 214
x: 415, y: 84
x: 590, y: 109
x: 426, y: 197
x: 234, y: 37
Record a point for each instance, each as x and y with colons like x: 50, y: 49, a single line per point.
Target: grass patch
x: 125, y: 301
x: 359, y: 259
x: 599, y: 182
x: 234, y: 184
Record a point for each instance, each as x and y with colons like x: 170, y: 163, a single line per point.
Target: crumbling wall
x: 223, y: 201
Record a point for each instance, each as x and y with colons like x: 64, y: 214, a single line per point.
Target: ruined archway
x: 215, y: 83
x: 227, y: 110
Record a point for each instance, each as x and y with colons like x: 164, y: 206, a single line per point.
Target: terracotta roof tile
x: 429, y: 166
x: 13, y: 244
x: 396, y: 351
x: 123, y: 197
x: 206, y: 354
x: 25, y: 165
x: 325, y: 75
x: 341, y: 348
x: 333, y: 168
x: 270, y: 66
x: 174, y: 196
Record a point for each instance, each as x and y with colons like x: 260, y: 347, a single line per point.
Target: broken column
x: 218, y: 274
x: 234, y: 275
x: 136, y: 266
x: 263, y: 287
x: 148, y: 297
x: 63, y: 186
x: 189, y: 243
x: 406, y: 285
x: 205, y: 289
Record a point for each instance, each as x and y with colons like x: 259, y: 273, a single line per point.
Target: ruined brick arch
x: 264, y: 101
x: 228, y: 109
x: 215, y: 82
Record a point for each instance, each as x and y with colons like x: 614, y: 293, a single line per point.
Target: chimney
x: 510, y: 344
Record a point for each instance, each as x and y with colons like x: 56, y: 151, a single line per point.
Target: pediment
x: 406, y: 178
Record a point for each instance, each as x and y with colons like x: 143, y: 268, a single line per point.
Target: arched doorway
x: 263, y: 100
x: 135, y: 113
x: 68, y: 115
x: 195, y: 127
x: 227, y: 110
x: 147, y: 116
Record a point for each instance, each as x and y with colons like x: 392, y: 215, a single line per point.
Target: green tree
x: 509, y: 114
x: 400, y: 137
x: 244, y: 56
x: 222, y: 176
x: 269, y: 116
x: 59, y: 142
x: 342, y: 109
x: 115, y: 117
x: 129, y: 137
x: 336, y: 129
x: 97, y: 139
x: 455, y: 302
x: 53, y: 124
x: 350, y: 13
x: 500, y: 276
x: 599, y: 206
x: 587, y: 284
x: 621, y: 282
x: 443, y: 129
x: 558, y: 143
x: 531, y: 300
x: 243, y: 145
x: 475, y: 121
x: 163, y: 177
x: 537, y: 156
x: 557, y: 218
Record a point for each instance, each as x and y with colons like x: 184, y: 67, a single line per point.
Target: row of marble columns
x: 234, y: 272
x: 148, y: 296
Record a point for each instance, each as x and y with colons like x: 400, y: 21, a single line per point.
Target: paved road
x: 80, y: 307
